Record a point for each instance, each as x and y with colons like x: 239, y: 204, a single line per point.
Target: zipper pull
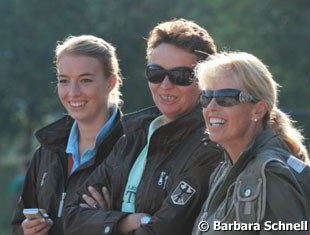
x: 61, y: 204
x: 161, y: 178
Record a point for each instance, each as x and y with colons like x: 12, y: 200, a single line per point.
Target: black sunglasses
x: 181, y: 76
x: 226, y: 97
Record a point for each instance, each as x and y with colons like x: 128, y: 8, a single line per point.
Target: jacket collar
x: 55, y: 134
x: 142, y: 119
x: 267, y: 139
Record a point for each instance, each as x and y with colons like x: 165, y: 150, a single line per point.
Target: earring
x: 255, y: 120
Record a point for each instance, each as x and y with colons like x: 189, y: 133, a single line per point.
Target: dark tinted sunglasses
x: 181, y: 76
x: 226, y: 97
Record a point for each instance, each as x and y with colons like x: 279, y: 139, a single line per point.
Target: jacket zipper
x: 61, y: 204
x: 64, y: 193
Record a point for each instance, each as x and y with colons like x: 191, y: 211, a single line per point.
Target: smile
x: 77, y: 104
x: 168, y: 98
x: 216, y: 121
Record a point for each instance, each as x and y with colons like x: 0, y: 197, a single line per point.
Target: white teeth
x: 167, y: 97
x: 216, y: 121
x: 76, y: 104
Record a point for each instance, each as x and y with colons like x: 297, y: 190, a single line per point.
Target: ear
x: 111, y: 82
x: 259, y: 111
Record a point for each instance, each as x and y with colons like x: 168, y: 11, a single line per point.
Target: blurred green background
x: 276, y: 31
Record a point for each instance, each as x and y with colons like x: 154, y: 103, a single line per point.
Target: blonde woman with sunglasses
x: 262, y: 187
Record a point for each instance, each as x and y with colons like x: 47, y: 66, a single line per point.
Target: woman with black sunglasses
x: 155, y: 181
x: 262, y: 187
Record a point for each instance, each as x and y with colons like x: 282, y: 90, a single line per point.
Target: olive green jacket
x: 266, y: 185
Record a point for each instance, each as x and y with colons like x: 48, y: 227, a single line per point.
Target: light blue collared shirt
x: 73, y: 142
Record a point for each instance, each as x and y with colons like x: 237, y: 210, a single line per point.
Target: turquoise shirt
x: 134, y: 178
x: 73, y: 142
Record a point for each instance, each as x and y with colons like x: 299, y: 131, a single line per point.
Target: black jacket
x: 46, y: 181
x: 180, y: 155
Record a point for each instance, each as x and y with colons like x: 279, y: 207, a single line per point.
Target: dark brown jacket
x: 180, y: 157
x: 46, y: 181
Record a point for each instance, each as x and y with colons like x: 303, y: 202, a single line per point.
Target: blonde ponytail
x: 282, y: 124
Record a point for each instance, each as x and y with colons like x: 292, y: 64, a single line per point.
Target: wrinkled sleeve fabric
x: 28, y: 198
x: 285, y: 199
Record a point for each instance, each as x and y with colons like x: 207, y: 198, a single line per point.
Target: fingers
x: 89, y: 201
x: 107, y: 197
x: 97, y: 196
x: 85, y: 205
x: 97, y: 199
x: 36, y: 226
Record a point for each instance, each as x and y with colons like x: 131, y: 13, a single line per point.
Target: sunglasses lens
x: 204, y: 100
x: 155, y: 75
x: 227, y: 101
x: 181, y: 76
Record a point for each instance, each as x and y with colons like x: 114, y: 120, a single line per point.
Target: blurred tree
x: 274, y: 30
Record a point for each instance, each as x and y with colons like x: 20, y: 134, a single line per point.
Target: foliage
x: 274, y: 30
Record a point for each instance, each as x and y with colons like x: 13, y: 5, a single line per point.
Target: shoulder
x: 139, y: 119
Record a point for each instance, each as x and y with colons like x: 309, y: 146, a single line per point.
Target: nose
x: 212, y: 104
x: 74, y: 89
x: 166, y: 83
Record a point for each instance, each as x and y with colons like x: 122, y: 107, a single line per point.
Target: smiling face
x: 233, y: 127
x: 172, y: 100
x: 83, y: 89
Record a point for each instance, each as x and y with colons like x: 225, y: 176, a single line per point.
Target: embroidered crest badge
x: 182, y: 193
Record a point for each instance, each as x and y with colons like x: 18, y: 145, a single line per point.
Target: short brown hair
x: 184, y: 34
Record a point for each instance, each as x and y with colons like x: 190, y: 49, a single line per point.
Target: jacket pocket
x: 249, y: 200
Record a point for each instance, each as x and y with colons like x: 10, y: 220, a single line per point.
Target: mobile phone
x: 35, y: 213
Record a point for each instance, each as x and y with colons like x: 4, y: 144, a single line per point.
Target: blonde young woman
x: 263, y: 184
x: 88, y: 81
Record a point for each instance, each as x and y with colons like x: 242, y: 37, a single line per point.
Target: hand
x: 130, y: 222
x: 36, y: 226
x: 97, y: 199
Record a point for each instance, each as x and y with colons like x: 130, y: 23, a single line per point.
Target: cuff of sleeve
x: 111, y: 224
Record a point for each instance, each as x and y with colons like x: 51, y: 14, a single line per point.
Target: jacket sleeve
x: 81, y: 221
x: 28, y: 198
x: 178, y: 214
x: 286, y: 200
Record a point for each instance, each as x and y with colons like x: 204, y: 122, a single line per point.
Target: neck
x: 88, y: 133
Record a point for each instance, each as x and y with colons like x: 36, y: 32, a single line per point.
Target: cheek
x: 153, y: 87
x: 241, y: 118
x: 61, y: 93
x: 204, y: 113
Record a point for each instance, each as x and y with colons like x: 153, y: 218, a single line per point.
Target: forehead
x: 221, y: 82
x: 169, y: 56
x: 69, y: 63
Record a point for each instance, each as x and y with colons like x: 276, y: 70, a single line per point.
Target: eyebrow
x: 80, y: 75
